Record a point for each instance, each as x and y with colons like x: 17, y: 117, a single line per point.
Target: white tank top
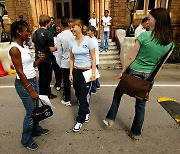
x: 27, y: 60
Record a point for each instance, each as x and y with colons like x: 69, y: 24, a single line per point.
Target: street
x: 161, y: 133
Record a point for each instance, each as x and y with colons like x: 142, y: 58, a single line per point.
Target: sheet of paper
x: 87, y: 74
x: 46, y: 100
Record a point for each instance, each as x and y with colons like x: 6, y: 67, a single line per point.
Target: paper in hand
x: 87, y: 74
x: 46, y: 100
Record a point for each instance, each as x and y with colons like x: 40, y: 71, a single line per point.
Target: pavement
x: 160, y: 135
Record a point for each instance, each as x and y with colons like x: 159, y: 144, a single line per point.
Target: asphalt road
x: 161, y: 134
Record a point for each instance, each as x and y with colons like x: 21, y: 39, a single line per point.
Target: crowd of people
x: 71, y: 48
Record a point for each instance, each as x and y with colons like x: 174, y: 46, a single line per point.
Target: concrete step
x: 109, y: 57
x: 110, y: 43
x: 110, y: 52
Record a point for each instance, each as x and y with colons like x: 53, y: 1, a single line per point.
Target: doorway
x: 81, y: 10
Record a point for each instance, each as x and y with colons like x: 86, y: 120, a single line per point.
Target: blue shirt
x: 82, y: 57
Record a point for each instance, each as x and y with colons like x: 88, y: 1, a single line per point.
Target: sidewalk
x: 161, y: 133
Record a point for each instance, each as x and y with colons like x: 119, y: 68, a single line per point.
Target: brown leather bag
x: 135, y: 86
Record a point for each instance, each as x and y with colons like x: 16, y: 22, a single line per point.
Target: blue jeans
x: 104, y: 40
x: 139, y: 106
x: 30, y: 127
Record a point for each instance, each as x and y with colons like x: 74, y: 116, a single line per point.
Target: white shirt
x: 139, y: 30
x: 63, y: 40
x: 94, y: 22
x: 95, y: 41
x: 56, y: 53
x: 106, y: 23
x: 27, y: 61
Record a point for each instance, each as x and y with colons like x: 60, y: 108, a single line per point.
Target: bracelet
x: 94, y: 75
x: 28, y: 86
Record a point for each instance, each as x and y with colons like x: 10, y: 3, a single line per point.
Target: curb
x: 171, y: 66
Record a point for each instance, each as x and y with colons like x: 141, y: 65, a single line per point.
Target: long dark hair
x: 163, y: 31
x: 17, y: 25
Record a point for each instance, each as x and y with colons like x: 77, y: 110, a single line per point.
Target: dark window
x: 151, y: 4
x: 59, y: 10
x: 66, y: 9
x: 140, y: 5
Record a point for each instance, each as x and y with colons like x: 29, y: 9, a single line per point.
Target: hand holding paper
x: 87, y: 75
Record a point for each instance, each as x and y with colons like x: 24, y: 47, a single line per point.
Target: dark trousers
x: 82, y: 92
x: 58, y: 73
x: 67, y: 84
x: 45, y: 76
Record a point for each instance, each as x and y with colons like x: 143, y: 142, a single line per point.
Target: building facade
x: 31, y: 9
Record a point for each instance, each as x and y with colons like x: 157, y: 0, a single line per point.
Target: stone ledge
x: 171, y: 66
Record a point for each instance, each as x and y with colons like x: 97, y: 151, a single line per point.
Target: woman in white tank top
x: 26, y: 83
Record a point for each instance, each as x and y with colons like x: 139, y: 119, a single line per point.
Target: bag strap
x: 160, y: 63
x: 37, y: 102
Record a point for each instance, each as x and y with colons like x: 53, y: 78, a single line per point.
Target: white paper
x: 46, y: 100
x: 87, y: 74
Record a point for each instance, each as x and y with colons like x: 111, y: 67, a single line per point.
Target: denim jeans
x: 139, y: 106
x: 104, y: 40
x: 29, y: 126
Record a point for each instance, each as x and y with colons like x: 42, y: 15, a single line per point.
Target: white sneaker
x: 87, y: 118
x: 108, y: 122
x: 66, y: 103
x: 77, y: 127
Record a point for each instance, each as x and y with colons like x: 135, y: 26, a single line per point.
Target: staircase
x: 111, y: 58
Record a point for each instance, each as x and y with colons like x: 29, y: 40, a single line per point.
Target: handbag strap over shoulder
x: 160, y: 63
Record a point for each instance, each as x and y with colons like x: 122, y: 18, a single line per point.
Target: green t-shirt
x: 149, y: 53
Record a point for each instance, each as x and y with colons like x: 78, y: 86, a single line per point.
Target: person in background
x: 94, y: 22
x: 149, y: 48
x: 51, y: 28
x: 63, y: 40
x: 26, y: 83
x: 142, y: 27
x: 82, y: 58
x: 84, y: 30
x: 56, y: 64
x: 43, y: 41
x: 105, y: 23
x: 91, y: 32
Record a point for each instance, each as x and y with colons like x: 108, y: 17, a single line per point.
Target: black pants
x: 82, y: 92
x: 67, y: 84
x: 57, y: 72
x: 45, y: 76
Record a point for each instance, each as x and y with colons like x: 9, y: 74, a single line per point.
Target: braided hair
x: 17, y: 25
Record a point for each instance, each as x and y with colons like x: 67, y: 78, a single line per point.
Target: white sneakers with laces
x: 77, y: 127
x: 66, y: 103
x: 87, y: 118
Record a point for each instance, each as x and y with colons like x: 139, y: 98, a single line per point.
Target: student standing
x: 105, y: 23
x: 63, y: 40
x: 142, y: 27
x: 26, y: 83
x: 82, y: 58
x: 91, y: 32
x: 94, y: 22
x: 43, y: 41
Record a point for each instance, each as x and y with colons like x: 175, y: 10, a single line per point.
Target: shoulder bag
x: 135, y: 86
